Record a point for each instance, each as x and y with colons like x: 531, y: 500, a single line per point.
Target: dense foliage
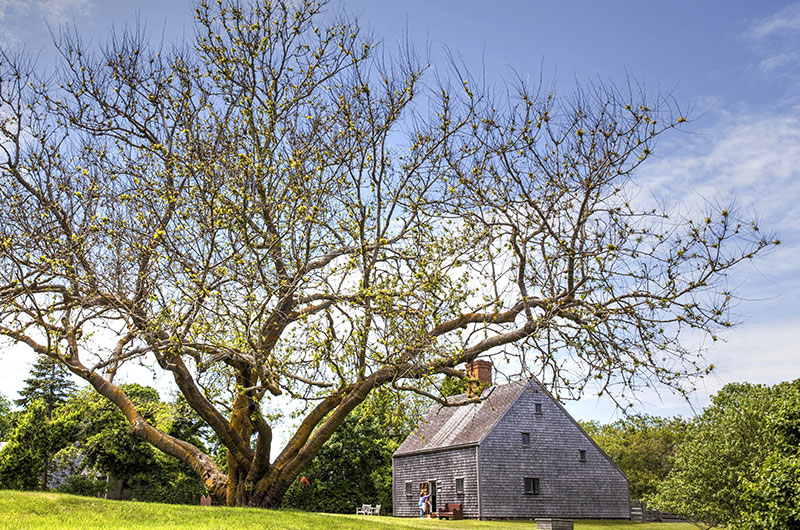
x: 354, y: 467
x: 642, y: 446
x: 738, y: 461
x: 48, y: 385
x: 6, y: 417
x: 87, y: 440
x: 107, y: 447
x: 24, y: 460
x: 772, y: 492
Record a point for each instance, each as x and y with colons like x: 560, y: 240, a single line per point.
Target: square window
x: 537, y: 408
x: 409, y: 491
x: 460, y: 486
x: 582, y: 455
x: 526, y: 439
x: 531, y: 486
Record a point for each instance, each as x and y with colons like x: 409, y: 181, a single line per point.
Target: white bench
x: 368, y: 509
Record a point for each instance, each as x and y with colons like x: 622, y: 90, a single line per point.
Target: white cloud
x: 64, y: 10
x: 766, y: 353
x: 759, y: 354
x: 785, y: 20
x: 20, y: 17
x: 9, y: 11
x: 12, y: 6
x: 774, y: 40
x: 16, y: 361
x: 754, y: 157
x: 779, y: 61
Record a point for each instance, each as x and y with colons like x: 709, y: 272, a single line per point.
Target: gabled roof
x: 464, y: 425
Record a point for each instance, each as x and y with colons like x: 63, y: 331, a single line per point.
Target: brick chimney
x: 480, y: 375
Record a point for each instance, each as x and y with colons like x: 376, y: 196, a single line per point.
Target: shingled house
x: 515, y: 454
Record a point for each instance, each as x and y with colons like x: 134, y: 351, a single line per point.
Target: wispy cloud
x: 774, y: 38
x: 64, y: 10
x: 752, y: 156
x: 764, y: 354
x: 11, y: 8
x: 785, y: 20
x: 20, y: 16
x: 780, y: 61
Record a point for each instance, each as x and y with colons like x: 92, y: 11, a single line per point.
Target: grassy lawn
x: 24, y: 510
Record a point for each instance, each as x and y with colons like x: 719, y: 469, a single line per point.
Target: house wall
x: 568, y: 487
x: 444, y: 467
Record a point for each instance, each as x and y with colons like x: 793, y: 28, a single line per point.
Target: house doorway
x: 426, y: 488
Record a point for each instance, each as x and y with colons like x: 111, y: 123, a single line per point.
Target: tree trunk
x: 251, y: 479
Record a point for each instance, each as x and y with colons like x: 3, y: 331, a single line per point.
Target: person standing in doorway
x: 423, y: 502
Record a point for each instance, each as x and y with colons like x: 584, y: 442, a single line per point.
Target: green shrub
x: 88, y: 486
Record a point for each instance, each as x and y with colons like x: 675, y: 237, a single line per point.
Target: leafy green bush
x: 642, y: 446
x: 738, y: 465
x: 169, y: 481
x: 772, y: 493
x: 88, y: 486
x: 24, y: 460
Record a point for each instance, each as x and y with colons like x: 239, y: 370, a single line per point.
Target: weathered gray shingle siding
x: 445, y: 427
x: 442, y: 466
x: 568, y: 488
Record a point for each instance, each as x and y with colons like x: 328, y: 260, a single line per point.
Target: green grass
x: 24, y: 510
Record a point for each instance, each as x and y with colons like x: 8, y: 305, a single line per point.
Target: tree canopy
x: 87, y: 440
x: 281, y: 208
x: 642, y: 446
x: 737, y: 464
x: 772, y: 492
x: 5, y: 417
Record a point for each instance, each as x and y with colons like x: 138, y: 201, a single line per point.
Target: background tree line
x: 67, y: 439
x: 736, y: 464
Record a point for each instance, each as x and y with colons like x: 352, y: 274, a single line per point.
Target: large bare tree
x: 276, y: 209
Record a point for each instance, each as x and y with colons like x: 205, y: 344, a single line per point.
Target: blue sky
x: 736, y: 64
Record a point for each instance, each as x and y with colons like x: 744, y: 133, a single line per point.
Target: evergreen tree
x: 48, y: 381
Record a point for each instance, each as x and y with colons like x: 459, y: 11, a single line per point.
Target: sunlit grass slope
x: 23, y: 510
